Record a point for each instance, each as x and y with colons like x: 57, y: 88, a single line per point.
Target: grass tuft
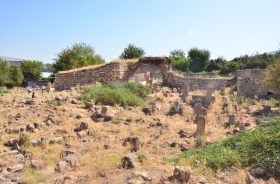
x: 33, y: 176
x: 3, y: 90
x: 259, y: 147
x: 123, y: 94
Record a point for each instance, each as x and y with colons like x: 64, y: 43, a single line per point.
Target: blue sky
x: 39, y: 29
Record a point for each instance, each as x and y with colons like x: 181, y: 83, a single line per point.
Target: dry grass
x: 82, y: 68
x: 102, y: 163
x: 126, y: 61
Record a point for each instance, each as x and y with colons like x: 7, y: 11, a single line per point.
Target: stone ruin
x: 248, y: 82
x: 117, y: 71
x: 114, y: 71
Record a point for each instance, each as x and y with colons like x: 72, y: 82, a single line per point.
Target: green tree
x: 49, y: 66
x: 76, y: 56
x: 199, y: 59
x: 272, y: 75
x: 179, y: 60
x: 215, y: 64
x: 4, y: 72
x: 229, y: 67
x: 15, y: 76
x: 256, y: 60
x: 277, y: 54
x: 31, y: 70
x: 131, y: 52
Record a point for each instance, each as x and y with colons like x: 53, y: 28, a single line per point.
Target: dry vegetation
x: 99, y: 154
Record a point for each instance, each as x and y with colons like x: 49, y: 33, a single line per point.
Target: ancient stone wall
x: 152, y: 69
x: 114, y: 71
x: 195, y: 75
x: 250, y: 83
x: 203, y: 83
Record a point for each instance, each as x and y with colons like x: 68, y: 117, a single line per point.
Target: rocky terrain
x: 54, y: 138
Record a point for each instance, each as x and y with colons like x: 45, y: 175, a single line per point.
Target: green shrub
x: 271, y: 102
x: 259, y: 147
x: 15, y: 76
x: 124, y: 94
x: 4, y: 71
x: 137, y: 89
x: 243, y: 98
x: 3, y: 90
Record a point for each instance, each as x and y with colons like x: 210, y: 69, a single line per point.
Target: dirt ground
x: 98, y: 154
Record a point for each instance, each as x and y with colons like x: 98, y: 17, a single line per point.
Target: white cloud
x: 191, y: 31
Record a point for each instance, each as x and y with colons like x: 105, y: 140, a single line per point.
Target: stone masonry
x: 114, y: 71
x: 202, y: 83
x: 250, y: 83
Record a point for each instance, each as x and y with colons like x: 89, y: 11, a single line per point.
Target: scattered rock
x: 36, y: 142
x: 57, y: 140
x: 128, y: 162
x: 89, y: 105
x: 135, y: 142
x: 258, y: 172
x: 37, y: 164
x: 79, y: 116
x: 74, y: 101
x: 15, y: 168
x: 82, y: 134
x: 266, y: 109
x: 30, y: 128
x: 61, y: 166
x: 84, y: 125
x: 72, y: 159
x: 181, y: 174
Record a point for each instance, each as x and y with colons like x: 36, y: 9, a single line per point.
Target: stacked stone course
x: 202, y: 83
x: 114, y: 71
x: 110, y: 72
x: 250, y: 83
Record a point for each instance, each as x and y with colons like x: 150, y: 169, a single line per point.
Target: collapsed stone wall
x: 250, y: 83
x: 114, y: 71
x: 202, y: 83
x: 152, y: 69
x: 195, y: 75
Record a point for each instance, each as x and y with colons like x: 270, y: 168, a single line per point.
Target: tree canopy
x: 15, y: 76
x: 131, y: 52
x: 179, y: 60
x: 199, y: 59
x: 272, y: 75
x: 76, y: 56
x: 4, y: 70
x: 31, y: 70
x: 11, y: 76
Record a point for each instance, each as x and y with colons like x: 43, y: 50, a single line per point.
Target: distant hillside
x: 10, y: 58
x: 272, y: 52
